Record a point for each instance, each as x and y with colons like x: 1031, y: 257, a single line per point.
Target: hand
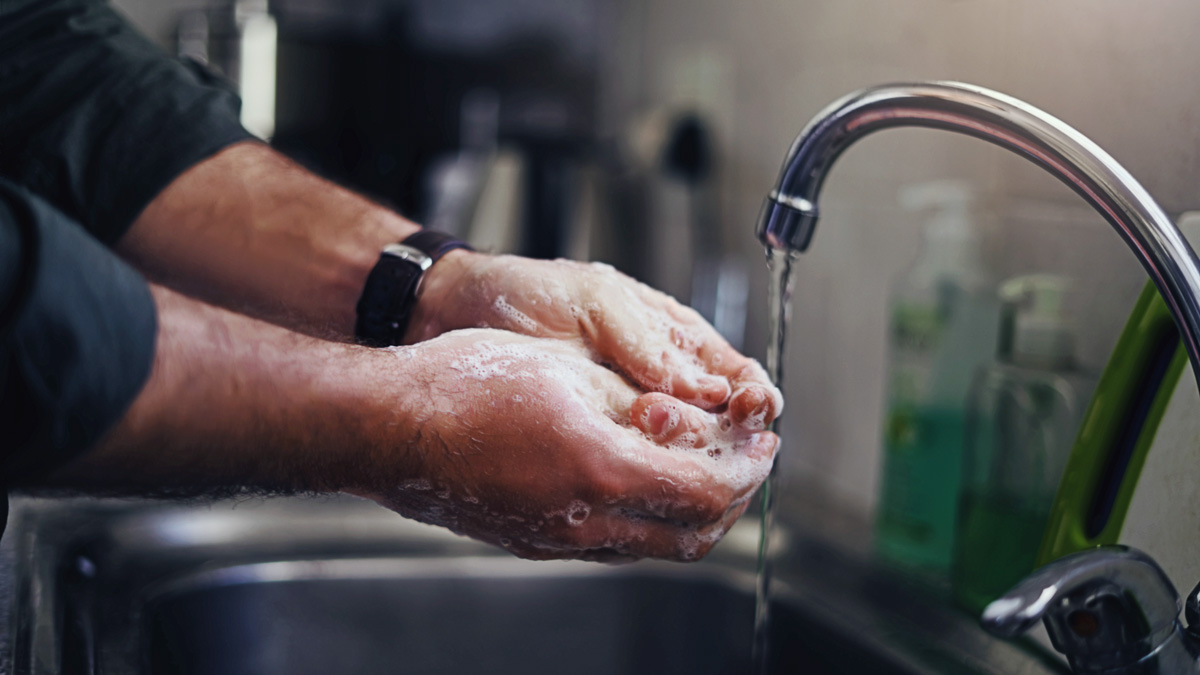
x: 520, y: 441
x: 658, y: 343
x: 529, y: 444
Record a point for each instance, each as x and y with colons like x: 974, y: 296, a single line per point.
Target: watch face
x: 388, y: 299
x: 411, y: 254
x: 394, y: 285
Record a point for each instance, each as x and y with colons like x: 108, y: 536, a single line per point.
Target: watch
x: 392, y: 287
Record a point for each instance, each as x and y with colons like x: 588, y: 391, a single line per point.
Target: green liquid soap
x: 941, y: 329
x: 922, y: 463
x: 998, y: 539
x: 1024, y: 415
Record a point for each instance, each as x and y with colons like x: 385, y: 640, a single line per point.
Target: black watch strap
x: 390, y: 294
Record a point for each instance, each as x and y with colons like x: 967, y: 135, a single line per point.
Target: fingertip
x: 655, y: 414
x: 763, y: 446
x: 748, y: 408
x: 754, y: 408
x: 658, y: 420
x: 712, y: 391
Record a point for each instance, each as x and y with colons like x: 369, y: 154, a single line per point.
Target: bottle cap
x: 952, y: 243
x: 1036, y: 330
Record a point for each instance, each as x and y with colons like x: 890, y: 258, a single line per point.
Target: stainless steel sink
x: 340, y: 586
x: 465, y: 615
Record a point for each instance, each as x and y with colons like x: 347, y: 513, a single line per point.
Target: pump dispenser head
x: 952, y: 244
x: 1035, y: 328
x: 952, y: 198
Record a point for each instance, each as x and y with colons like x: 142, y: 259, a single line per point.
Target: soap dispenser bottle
x: 1024, y: 412
x: 942, y: 329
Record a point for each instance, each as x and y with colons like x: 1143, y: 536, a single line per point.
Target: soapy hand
x: 655, y: 341
x: 530, y: 444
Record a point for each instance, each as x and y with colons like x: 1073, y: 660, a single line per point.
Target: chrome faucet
x: 1110, y: 610
x: 790, y: 213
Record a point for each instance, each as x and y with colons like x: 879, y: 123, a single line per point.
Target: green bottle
x: 941, y: 329
x: 1025, y: 409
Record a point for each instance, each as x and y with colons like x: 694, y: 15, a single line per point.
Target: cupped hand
x: 655, y: 341
x: 530, y: 444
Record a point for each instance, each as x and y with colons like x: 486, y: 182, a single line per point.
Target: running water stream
x: 779, y: 311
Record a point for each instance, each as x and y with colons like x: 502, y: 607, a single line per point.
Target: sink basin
x: 466, y: 615
x: 340, y: 586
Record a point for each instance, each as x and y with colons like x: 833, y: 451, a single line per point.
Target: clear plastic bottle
x: 942, y: 329
x: 1024, y: 414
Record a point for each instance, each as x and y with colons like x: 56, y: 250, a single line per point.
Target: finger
x: 755, y: 402
x: 605, y: 538
x: 664, y: 539
x: 668, y: 421
x: 624, y: 535
x: 695, y: 339
x: 650, y: 357
x: 695, y: 488
x: 762, y: 401
x: 686, y: 378
x: 736, y: 512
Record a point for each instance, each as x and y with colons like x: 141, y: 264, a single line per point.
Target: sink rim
x: 435, y: 567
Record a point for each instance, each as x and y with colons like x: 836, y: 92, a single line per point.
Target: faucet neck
x: 789, y: 216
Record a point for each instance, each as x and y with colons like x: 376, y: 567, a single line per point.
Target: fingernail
x: 762, y: 408
x: 715, y: 390
x: 752, y: 407
x: 658, y: 420
x: 746, y: 400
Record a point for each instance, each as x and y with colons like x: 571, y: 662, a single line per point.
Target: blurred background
x: 646, y: 134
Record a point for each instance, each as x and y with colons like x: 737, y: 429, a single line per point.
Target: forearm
x: 250, y: 230
x: 233, y: 402
x: 523, y: 442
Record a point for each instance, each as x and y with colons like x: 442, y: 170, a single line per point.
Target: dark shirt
x: 94, y: 122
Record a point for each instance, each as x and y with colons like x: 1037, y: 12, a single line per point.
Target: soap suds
x: 516, y: 316
x: 577, y: 513
x: 580, y: 401
x: 692, y: 542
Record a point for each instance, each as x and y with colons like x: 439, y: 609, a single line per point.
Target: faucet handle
x: 1191, y: 611
x: 1104, y: 608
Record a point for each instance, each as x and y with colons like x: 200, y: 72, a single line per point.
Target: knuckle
x: 602, y: 486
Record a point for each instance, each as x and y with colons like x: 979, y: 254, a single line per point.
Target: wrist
x: 441, y: 291
x: 373, y: 229
x: 375, y: 400
x: 403, y: 272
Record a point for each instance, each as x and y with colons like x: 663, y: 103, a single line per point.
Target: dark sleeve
x: 77, y: 331
x: 97, y: 120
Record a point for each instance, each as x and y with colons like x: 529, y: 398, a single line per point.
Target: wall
x: 1120, y: 72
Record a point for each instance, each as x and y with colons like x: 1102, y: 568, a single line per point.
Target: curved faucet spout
x: 790, y: 213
